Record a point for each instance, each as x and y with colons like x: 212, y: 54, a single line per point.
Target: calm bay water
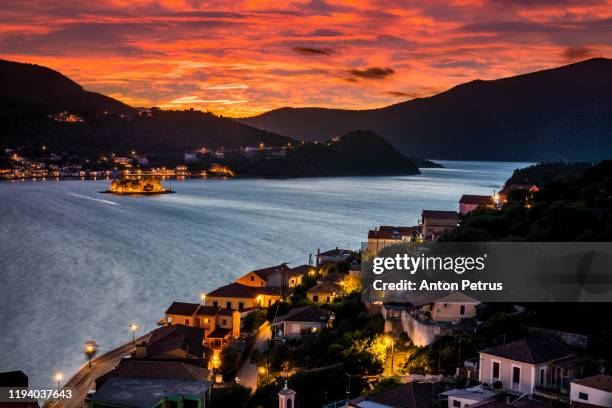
x: 77, y: 265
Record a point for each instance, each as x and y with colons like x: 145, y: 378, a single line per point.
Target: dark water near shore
x: 78, y: 265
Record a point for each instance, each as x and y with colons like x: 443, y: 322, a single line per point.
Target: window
x: 462, y: 310
x: 583, y: 396
x: 224, y: 322
x: 542, y: 376
x: 252, y: 278
x: 516, y: 375
x: 495, y: 369
x: 196, y: 322
x: 456, y: 403
x: 327, y: 300
x: 228, y: 305
x: 215, y: 303
x: 315, y: 298
x: 240, y: 305
x: 186, y: 322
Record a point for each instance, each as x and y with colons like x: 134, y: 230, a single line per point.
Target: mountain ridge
x: 544, y: 115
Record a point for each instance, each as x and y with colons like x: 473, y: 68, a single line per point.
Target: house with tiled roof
x: 237, y: 296
x: 272, y: 276
x: 387, y: 235
x: 279, y: 276
x: 469, y: 202
x: 299, y: 320
x: 137, y: 384
x: 408, y: 395
x: 324, y: 292
x: 173, y: 342
x: 297, y: 274
x: 333, y: 255
x: 434, y: 223
x: 534, y: 365
x: 425, y: 316
x: 220, y: 325
x: 595, y: 391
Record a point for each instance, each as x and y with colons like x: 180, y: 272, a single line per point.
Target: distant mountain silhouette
x: 35, y: 83
x: 39, y: 106
x: 354, y: 154
x: 555, y: 114
x: 31, y: 94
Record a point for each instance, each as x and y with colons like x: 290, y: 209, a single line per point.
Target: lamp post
x: 90, y: 350
x: 262, y: 371
x: 58, y: 377
x: 389, y: 341
x: 133, y: 328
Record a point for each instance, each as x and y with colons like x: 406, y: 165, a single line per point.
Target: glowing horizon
x: 241, y: 58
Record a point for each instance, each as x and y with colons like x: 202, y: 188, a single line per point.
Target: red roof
x: 266, y: 272
x: 389, y: 232
x: 238, y: 290
x: 534, y: 350
x: 476, y: 199
x: 599, y: 382
x: 440, y: 215
x: 325, y: 287
x: 182, y: 308
x: 335, y: 252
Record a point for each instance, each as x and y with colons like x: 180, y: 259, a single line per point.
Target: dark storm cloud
x: 574, y: 53
x: 399, y: 94
x: 311, y: 51
x: 372, y: 72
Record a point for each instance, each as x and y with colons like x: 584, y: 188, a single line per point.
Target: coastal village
x: 266, y: 337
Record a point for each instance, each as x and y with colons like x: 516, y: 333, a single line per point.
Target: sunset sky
x: 239, y: 58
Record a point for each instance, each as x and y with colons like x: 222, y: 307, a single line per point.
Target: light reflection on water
x: 76, y: 266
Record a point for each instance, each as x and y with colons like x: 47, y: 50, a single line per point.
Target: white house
x: 462, y: 397
x: 596, y: 390
x: 526, y: 364
x: 300, y: 319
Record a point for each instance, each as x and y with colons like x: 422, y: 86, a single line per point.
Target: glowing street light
x: 90, y: 350
x: 389, y: 342
x: 59, y: 377
x: 203, y: 298
x: 133, y: 328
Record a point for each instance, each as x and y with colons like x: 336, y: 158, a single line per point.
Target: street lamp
x: 90, y: 350
x: 203, y: 298
x: 262, y: 372
x: 133, y: 328
x: 389, y: 341
x: 58, y: 377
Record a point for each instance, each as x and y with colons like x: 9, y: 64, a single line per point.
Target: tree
x: 235, y: 396
x: 230, y: 362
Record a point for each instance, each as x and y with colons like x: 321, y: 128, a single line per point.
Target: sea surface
x: 77, y: 265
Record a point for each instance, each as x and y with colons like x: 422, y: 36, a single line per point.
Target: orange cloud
x: 243, y: 57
